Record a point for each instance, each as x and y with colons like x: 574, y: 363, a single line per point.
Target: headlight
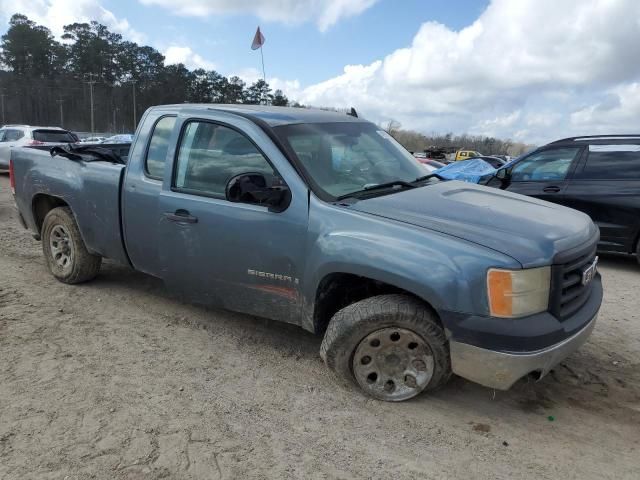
x: 517, y: 293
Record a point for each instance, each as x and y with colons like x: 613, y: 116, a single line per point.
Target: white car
x: 120, y: 138
x: 93, y: 140
x: 12, y: 136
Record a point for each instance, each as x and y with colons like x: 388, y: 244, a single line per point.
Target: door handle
x: 552, y: 189
x: 181, y: 216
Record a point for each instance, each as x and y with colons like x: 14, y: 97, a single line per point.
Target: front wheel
x: 391, y: 346
x: 64, y: 250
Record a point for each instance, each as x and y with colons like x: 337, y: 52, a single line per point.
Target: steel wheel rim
x: 393, y: 364
x: 61, y: 244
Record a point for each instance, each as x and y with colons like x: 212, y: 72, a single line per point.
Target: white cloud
x: 55, y: 14
x: 619, y: 109
x: 324, y: 12
x: 533, y: 67
x: 186, y: 56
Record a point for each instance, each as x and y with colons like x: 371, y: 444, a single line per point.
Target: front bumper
x: 500, y: 370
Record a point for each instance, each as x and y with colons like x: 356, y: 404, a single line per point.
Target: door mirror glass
x: 502, y: 174
x: 254, y: 189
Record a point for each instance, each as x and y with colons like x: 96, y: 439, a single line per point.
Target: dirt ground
x: 115, y: 379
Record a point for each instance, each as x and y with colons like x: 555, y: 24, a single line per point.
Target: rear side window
x: 612, y: 162
x: 11, y: 135
x: 53, y: 136
x: 159, y: 146
x: 547, y: 165
x: 210, y: 155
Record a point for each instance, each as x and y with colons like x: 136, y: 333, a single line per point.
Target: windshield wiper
x: 379, y: 186
x: 427, y: 177
x: 395, y: 183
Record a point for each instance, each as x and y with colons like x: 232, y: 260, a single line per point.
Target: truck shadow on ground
x: 584, y: 381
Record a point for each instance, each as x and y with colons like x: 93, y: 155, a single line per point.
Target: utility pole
x: 91, y: 83
x: 115, y: 124
x: 2, y: 95
x: 135, y: 114
x: 60, y: 101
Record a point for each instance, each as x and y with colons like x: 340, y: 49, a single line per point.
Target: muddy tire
x: 64, y: 250
x: 391, y: 346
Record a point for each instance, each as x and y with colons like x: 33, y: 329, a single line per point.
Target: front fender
x: 446, y: 272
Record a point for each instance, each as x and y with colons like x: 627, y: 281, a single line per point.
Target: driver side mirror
x: 252, y: 188
x: 503, y: 174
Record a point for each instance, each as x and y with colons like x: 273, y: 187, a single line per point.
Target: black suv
x: 598, y: 175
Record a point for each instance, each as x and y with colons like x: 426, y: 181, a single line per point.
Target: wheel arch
x: 337, y: 290
x: 41, y: 205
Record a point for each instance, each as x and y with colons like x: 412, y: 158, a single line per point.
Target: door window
x: 612, y: 162
x: 158, y: 147
x: 547, y: 165
x: 210, y: 155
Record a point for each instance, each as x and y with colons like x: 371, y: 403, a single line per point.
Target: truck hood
x: 529, y: 230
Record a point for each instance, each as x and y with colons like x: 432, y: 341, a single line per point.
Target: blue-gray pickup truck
x: 322, y: 220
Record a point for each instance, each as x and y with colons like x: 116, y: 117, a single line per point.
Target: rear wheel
x: 391, y: 346
x: 64, y: 250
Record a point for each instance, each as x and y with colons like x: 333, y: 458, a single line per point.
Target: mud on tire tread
x: 85, y: 265
x: 354, y: 322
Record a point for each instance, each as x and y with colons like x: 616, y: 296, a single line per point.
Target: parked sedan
x: 122, y: 138
x: 12, y: 136
x: 93, y: 140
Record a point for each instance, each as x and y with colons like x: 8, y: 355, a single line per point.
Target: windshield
x: 343, y: 158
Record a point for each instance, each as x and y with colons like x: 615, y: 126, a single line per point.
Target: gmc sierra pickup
x: 322, y: 220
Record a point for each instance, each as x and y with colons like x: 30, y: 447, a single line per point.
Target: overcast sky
x: 530, y: 70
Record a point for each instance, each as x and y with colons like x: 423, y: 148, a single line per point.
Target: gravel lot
x: 116, y: 379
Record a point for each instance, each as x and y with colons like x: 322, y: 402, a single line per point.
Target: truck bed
x: 91, y: 189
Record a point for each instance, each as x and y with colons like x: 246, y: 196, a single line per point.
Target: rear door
x: 544, y: 173
x: 142, y: 186
x: 606, y: 186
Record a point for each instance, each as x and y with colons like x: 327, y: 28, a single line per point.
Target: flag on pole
x: 258, y: 40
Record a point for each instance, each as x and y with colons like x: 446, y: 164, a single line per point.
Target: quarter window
x: 210, y: 155
x: 13, y: 135
x: 547, y: 165
x: 612, y: 162
x: 159, y: 146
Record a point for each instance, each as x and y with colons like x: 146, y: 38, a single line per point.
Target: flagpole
x: 264, y: 77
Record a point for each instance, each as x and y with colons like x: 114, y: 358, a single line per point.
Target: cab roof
x: 272, y: 116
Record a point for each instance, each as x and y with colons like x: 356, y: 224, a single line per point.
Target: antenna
x: 353, y: 112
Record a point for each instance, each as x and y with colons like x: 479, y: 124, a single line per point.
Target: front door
x: 242, y: 256
x: 544, y: 173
